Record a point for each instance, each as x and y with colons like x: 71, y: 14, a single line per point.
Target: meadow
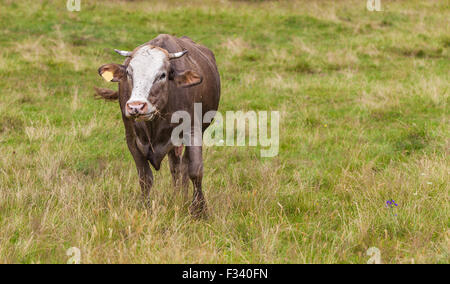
x: 363, y: 101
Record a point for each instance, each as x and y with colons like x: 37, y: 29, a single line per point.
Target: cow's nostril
x: 144, y: 108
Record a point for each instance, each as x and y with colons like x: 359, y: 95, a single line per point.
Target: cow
x: 163, y: 76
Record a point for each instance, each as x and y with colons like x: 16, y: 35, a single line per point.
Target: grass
x: 363, y: 101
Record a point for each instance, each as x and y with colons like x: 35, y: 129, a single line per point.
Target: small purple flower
x: 391, y: 203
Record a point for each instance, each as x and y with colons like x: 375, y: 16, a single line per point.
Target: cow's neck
x: 153, y: 139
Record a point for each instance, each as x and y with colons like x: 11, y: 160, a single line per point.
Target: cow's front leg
x: 145, y: 178
x: 144, y: 172
x: 198, y: 207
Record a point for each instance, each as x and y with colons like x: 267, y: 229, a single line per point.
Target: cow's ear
x: 187, y: 78
x: 112, y: 72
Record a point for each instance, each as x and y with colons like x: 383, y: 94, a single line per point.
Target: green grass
x: 363, y: 101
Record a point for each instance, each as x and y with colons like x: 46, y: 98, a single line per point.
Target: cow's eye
x: 163, y: 76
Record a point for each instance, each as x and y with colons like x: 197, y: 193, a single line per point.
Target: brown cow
x: 158, y: 78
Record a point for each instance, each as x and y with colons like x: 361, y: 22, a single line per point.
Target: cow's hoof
x: 199, y: 210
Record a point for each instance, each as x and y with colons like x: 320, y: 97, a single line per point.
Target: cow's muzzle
x: 139, y: 110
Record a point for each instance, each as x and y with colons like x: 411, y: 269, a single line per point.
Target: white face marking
x: 146, y: 64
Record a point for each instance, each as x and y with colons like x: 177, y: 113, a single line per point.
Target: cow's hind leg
x: 185, y: 175
x: 178, y: 168
x: 198, y: 206
x: 175, y: 167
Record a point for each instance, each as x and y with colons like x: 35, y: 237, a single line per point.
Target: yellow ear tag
x: 108, y: 75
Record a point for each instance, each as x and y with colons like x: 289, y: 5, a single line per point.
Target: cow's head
x: 148, y: 72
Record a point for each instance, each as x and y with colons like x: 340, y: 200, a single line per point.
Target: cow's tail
x: 106, y: 94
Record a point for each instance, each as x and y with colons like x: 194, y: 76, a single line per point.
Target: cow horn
x: 177, y: 54
x: 123, y: 52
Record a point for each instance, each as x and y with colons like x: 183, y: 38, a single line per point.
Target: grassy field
x: 363, y: 98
